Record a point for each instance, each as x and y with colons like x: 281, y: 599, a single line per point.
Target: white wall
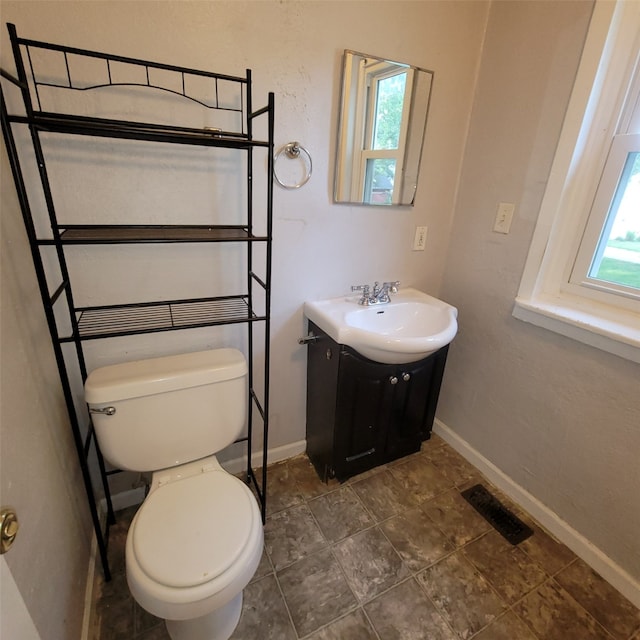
x: 561, y: 419
x: 39, y: 474
x: 320, y: 249
x: 295, y: 49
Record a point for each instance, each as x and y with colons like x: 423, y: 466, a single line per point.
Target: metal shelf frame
x: 100, y: 322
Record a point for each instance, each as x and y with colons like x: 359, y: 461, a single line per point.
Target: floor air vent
x: 494, y: 512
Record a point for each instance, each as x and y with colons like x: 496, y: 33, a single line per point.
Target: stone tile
x: 554, y: 615
x: 403, y: 459
x: 554, y: 610
x: 264, y: 567
x: 421, y: 478
x: 291, y: 535
x: 383, y: 495
x: 316, y: 592
x: 548, y: 552
x: 354, y: 626
x: 340, y: 514
x: 143, y: 620
x: 117, y: 621
x: 451, y: 464
x: 416, y: 538
x: 461, y: 594
x: 458, y: 520
x: 406, y: 613
x: 116, y: 589
x: 118, y: 538
x: 611, y: 609
x: 510, y: 570
x: 283, y: 491
x: 367, y: 474
x: 506, y: 627
x: 433, y: 442
x: 370, y: 563
x: 477, y: 478
x: 114, y: 615
x: 264, y: 613
x: 307, y: 479
x: 157, y: 633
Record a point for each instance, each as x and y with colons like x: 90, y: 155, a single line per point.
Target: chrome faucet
x: 379, y: 295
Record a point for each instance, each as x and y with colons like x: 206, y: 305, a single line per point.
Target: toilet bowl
x: 197, y: 538
x: 186, y: 563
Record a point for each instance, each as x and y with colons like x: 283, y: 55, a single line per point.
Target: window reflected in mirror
x: 381, y: 131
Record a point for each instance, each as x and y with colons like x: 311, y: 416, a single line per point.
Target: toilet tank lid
x: 160, y: 375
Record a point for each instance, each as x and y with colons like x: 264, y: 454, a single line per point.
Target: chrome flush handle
x: 109, y: 411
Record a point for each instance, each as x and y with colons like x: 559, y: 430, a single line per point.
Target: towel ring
x: 292, y: 150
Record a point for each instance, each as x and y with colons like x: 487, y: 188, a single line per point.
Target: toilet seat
x: 190, y: 531
x: 215, y: 593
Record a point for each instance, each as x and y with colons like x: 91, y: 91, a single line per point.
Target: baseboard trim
x: 581, y: 546
x: 88, y: 591
x: 124, y: 499
x: 236, y: 465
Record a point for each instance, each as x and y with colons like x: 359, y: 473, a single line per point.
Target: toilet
x: 197, y: 538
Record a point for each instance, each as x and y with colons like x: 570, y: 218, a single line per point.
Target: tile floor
x: 394, y: 554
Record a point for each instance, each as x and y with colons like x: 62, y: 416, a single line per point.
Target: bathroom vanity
x: 362, y: 413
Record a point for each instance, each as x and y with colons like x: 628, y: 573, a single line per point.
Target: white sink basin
x: 409, y: 328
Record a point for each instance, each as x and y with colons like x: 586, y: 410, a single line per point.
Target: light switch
x: 420, y: 239
x: 504, y: 216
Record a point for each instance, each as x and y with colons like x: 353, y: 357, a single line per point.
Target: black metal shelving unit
x: 250, y: 306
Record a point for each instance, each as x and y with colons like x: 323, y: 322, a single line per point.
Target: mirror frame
x: 354, y: 156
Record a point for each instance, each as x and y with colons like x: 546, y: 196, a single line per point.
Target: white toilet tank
x: 170, y: 410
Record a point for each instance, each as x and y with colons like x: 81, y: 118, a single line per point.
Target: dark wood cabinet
x: 360, y: 413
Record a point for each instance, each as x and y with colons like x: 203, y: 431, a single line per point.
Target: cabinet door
x: 410, y: 409
x: 323, y: 361
x: 363, y: 411
x: 415, y: 404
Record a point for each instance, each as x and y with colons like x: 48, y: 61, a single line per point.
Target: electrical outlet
x: 420, y: 239
x: 504, y: 215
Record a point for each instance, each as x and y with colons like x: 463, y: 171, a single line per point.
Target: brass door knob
x: 8, y: 528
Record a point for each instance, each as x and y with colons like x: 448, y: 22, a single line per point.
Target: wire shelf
x: 106, y: 128
x: 118, y: 234
x: 122, y: 320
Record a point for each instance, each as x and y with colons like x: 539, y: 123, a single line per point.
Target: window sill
x: 617, y: 332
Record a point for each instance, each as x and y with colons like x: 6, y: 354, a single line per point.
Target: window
x: 385, y: 132
x: 609, y: 255
x: 387, y: 86
x: 582, y: 276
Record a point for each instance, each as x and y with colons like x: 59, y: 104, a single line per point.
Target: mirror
x: 383, y: 117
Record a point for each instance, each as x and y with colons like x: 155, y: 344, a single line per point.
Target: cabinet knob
x: 406, y: 377
x: 393, y: 380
